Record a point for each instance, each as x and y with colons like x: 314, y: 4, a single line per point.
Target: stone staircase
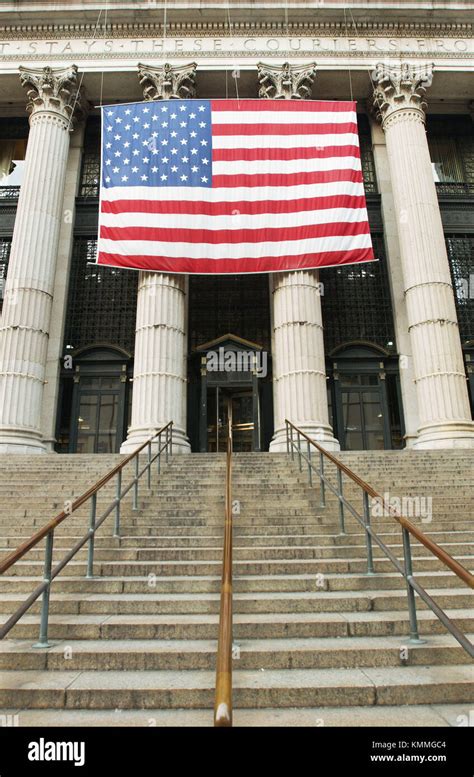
x: 316, y: 640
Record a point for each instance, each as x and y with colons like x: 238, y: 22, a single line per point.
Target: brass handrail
x: 407, y: 528
x: 223, y: 695
x: 47, y: 530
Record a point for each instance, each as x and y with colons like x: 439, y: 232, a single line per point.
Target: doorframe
x: 223, y: 380
x: 101, y: 361
x: 362, y: 357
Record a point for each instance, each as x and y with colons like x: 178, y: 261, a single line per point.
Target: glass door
x: 98, y: 418
x: 242, y: 419
x: 363, y: 410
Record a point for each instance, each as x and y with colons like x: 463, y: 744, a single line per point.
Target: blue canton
x: 162, y: 143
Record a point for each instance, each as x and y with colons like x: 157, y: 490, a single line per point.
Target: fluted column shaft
x: 159, y: 377
x: 445, y: 418
x: 299, y: 370
x: 160, y: 366
x: 25, y: 322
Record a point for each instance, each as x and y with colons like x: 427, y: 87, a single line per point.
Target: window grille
x: 219, y: 304
x: 5, y: 248
x: 102, y: 301
x: 461, y: 260
x: 90, y: 171
x: 357, y: 303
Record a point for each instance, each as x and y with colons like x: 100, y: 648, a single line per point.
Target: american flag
x: 231, y: 186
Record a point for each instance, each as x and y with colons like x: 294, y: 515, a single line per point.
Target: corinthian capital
x: 286, y: 82
x: 52, y: 89
x: 166, y: 82
x: 400, y: 86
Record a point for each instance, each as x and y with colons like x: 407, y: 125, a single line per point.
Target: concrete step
x: 390, y: 581
x: 246, y: 626
x: 254, y: 654
x: 426, y: 715
x: 205, y: 567
x: 195, y: 689
x: 265, y: 602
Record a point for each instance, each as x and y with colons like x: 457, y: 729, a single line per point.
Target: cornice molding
x: 192, y: 29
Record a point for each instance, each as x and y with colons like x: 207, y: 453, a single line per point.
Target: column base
x: 137, y: 437
x: 320, y: 434
x: 410, y: 440
x: 16, y: 441
x: 435, y: 436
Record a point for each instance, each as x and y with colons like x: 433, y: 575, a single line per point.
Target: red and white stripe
x: 287, y: 193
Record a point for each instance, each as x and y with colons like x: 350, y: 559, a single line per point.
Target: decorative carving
x: 400, y: 86
x: 54, y: 90
x: 286, y: 82
x: 167, y: 82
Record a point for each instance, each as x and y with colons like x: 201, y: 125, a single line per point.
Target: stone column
x: 25, y: 326
x: 56, y: 353
x: 399, y: 308
x: 445, y: 418
x: 299, y: 369
x: 160, y: 365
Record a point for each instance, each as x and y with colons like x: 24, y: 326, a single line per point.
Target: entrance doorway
x: 364, y: 413
x: 95, y: 401
x: 98, y: 403
x: 364, y: 399
x: 243, y: 419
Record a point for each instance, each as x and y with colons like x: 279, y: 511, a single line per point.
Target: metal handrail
x: 95, y: 523
x: 408, y: 528
x: 223, y: 695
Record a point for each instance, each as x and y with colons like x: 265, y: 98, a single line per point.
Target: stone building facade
x: 369, y: 356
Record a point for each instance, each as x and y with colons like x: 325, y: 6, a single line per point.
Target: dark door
x: 363, y: 413
x: 98, y: 415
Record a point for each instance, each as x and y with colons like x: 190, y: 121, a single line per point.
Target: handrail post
x: 90, y: 550
x: 167, y: 443
x: 135, y: 485
x: 118, y: 496
x: 341, y: 503
x: 159, y: 453
x: 149, y: 466
x: 414, y: 635
x: 368, y: 538
x: 48, y: 563
x: 171, y: 440
x: 292, y: 444
x: 287, y: 439
x: 310, y: 471
x: 299, y: 450
x: 322, y: 485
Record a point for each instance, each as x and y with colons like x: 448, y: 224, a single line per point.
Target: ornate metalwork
x: 460, y: 250
x: 102, y: 301
x: 167, y: 82
x: 5, y: 248
x: 220, y: 304
x: 90, y: 171
x: 357, y: 303
x: 400, y: 86
x: 9, y: 192
x: 286, y: 82
x: 367, y: 155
